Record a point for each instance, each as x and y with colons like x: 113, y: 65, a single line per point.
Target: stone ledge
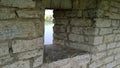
x: 56, y: 53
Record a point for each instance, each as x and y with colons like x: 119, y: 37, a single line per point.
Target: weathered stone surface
x: 61, y: 28
x: 25, y: 45
x: 108, y: 38
x: 101, y: 47
x: 95, y: 40
x: 30, y: 13
x: 73, y: 62
x: 61, y: 36
x: 104, y: 31
x: 117, y: 37
x: 19, y: 4
x: 30, y: 54
x: 11, y: 29
x: 111, y: 65
x: 111, y: 45
x: 79, y: 46
x: 38, y: 61
x: 7, y: 13
x: 76, y: 38
x: 81, y: 22
x: 4, y: 49
x: 66, y: 4
x: 19, y: 64
x: 103, y: 22
x: 6, y: 59
x: 115, y: 23
x: 91, y: 31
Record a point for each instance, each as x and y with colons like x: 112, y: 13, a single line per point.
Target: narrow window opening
x: 48, y: 34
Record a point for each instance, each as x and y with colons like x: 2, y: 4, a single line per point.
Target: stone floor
x: 55, y: 53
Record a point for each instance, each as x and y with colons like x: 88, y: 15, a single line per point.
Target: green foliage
x: 48, y: 19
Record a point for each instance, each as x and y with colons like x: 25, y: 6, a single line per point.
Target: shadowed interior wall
x: 89, y: 25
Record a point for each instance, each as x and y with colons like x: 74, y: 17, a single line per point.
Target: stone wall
x: 21, y: 34
x: 92, y: 26
x: 94, y: 30
x: 73, y: 30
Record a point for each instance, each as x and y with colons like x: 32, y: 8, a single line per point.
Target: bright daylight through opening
x: 48, y: 34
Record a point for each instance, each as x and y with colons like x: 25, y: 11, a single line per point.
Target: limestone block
x: 19, y: 64
x: 77, y: 30
x: 59, y: 42
x: 101, y: 47
x: 98, y: 56
x: 111, y: 52
x: 111, y: 65
x: 71, y: 13
x: 118, y: 66
x: 91, y: 31
x: 111, y: 45
x: 115, y: 23
x: 116, y: 31
x: 95, y: 40
x: 61, y: 21
x: 118, y: 61
x: 25, y: 45
x: 7, y: 13
x: 79, y: 46
x: 109, y: 38
x: 6, y: 59
x: 102, y: 22
x: 81, y: 59
x: 11, y: 29
x: 76, y: 38
x: 18, y: 3
x: 104, y: 31
x: 66, y: 4
x: 115, y: 4
x: 4, y: 49
x: 59, y: 28
x: 117, y: 56
x: 30, y: 13
x: 38, y: 61
x: 60, y: 36
x: 117, y: 37
x: 81, y: 22
x: 30, y: 54
x: 108, y: 59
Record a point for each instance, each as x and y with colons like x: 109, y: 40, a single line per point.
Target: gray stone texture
x: 20, y: 29
x: 19, y: 4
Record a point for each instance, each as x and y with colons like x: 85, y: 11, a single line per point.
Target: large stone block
x: 7, y: 13
x: 4, y: 49
x: 83, y: 47
x: 111, y: 45
x: 95, y: 40
x: 6, y: 59
x: 38, y: 61
x: 81, y: 22
x: 18, y: 3
x: 102, y: 22
x: 109, y: 38
x: 30, y: 13
x: 77, y: 30
x: 117, y: 37
x: 76, y: 38
x: 19, y: 64
x: 30, y: 54
x: 11, y: 29
x: 25, y: 45
x: 104, y: 31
